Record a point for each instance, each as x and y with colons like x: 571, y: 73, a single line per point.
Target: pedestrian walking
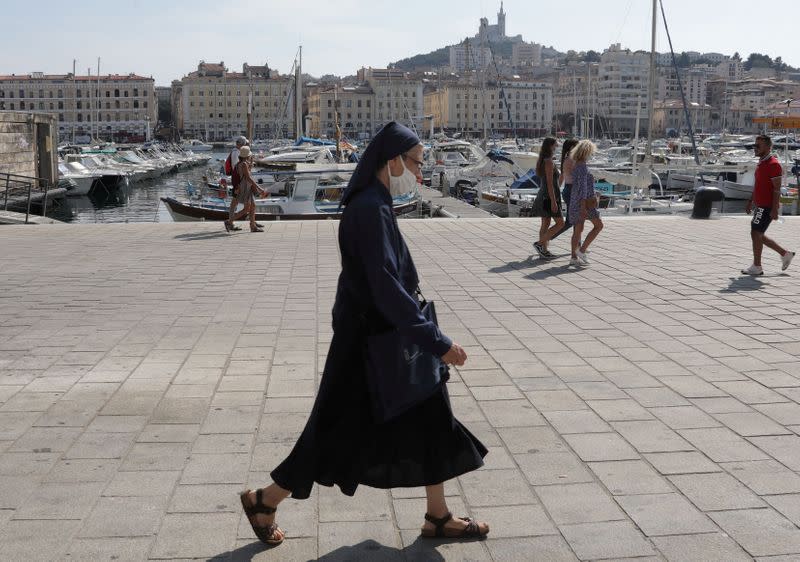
x: 567, y: 165
x: 583, y: 203
x: 245, y: 188
x: 549, y: 197
x: 344, y: 443
x: 230, y: 169
x: 764, y: 204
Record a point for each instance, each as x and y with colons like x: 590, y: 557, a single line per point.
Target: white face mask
x: 403, y: 183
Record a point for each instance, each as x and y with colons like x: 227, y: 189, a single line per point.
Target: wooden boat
x: 307, y: 200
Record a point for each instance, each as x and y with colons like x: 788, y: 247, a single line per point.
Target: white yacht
x: 196, y: 145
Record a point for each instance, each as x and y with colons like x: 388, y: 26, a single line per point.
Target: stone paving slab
x: 645, y: 407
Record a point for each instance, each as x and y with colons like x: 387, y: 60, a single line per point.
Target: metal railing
x: 20, y: 191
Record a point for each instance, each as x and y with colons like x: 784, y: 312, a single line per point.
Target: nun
x: 342, y: 443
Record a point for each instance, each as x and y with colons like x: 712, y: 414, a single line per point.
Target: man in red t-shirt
x: 764, y: 203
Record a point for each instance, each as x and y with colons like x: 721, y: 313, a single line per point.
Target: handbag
x: 400, y: 374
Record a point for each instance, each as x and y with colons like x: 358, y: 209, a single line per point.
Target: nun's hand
x: 456, y: 356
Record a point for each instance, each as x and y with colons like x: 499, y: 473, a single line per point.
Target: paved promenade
x: 645, y: 407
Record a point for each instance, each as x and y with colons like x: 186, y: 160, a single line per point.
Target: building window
x: 61, y: 105
x: 116, y: 92
x: 108, y: 93
x: 126, y: 93
x: 78, y: 93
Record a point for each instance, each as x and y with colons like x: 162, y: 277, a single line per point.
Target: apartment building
x: 526, y: 54
x: 741, y: 100
x: 468, y: 56
x: 349, y: 107
x: 113, y: 107
x: 524, y: 108
x: 622, y: 86
x: 398, y: 96
x: 669, y: 115
x: 694, y: 82
x: 212, y: 102
x: 575, y: 93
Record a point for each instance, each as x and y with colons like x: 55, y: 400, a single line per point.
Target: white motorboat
x: 79, y: 174
x: 105, y: 177
x: 196, y: 145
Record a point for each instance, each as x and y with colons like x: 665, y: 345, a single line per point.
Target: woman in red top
x: 764, y: 204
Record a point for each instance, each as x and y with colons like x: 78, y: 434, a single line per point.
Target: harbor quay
x: 644, y: 407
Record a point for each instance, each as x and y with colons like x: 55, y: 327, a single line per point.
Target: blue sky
x: 167, y: 39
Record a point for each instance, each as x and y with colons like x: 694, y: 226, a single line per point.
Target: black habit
x: 341, y: 443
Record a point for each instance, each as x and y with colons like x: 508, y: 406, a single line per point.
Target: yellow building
x: 112, y: 107
x: 524, y: 108
x: 351, y: 107
x: 211, y: 103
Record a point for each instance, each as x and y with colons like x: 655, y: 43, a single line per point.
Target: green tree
x: 683, y: 60
x: 757, y: 60
x: 591, y: 56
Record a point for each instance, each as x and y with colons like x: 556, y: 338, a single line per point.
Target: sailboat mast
x: 97, y: 101
x: 298, y: 91
x: 651, y: 90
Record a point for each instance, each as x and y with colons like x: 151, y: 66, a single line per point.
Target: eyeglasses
x: 419, y: 163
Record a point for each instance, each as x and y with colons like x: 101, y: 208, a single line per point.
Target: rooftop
x: 69, y: 77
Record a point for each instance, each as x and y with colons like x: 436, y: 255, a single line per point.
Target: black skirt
x: 342, y: 445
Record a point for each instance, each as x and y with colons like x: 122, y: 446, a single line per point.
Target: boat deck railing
x: 18, y: 192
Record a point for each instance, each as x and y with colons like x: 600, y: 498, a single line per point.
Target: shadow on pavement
x: 200, y: 235
x: 744, y: 283
x: 367, y: 551
x: 532, y: 261
x: 553, y: 271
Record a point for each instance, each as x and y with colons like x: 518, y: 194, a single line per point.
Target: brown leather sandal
x: 265, y: 534
x: 471, y: 531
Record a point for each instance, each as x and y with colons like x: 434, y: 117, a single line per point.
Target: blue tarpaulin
x: 317, y: 142
x: 529, y: 180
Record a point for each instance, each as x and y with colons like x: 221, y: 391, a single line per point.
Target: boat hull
x: 182, y: 212
x: 732, y: 190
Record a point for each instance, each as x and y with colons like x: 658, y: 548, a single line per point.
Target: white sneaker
x: 575, y: 261
x: 786, y: 259
x: 753, y: 270
x: 582, y: 257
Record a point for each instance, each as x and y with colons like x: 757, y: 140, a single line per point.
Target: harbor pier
x: 644, y: 407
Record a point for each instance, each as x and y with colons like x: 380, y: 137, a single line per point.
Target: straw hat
x: 244, y: 152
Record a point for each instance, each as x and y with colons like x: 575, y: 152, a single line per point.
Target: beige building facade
x: 398, y: 96
x: 113, y: 107
x: 351, y: 108
x: 524, y: 108
x: 623, y: 78
x: 212, y: 102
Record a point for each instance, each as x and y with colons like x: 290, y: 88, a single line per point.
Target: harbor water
x: 136, y: 202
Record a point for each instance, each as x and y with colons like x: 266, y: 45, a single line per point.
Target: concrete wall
x: 19, y: 153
